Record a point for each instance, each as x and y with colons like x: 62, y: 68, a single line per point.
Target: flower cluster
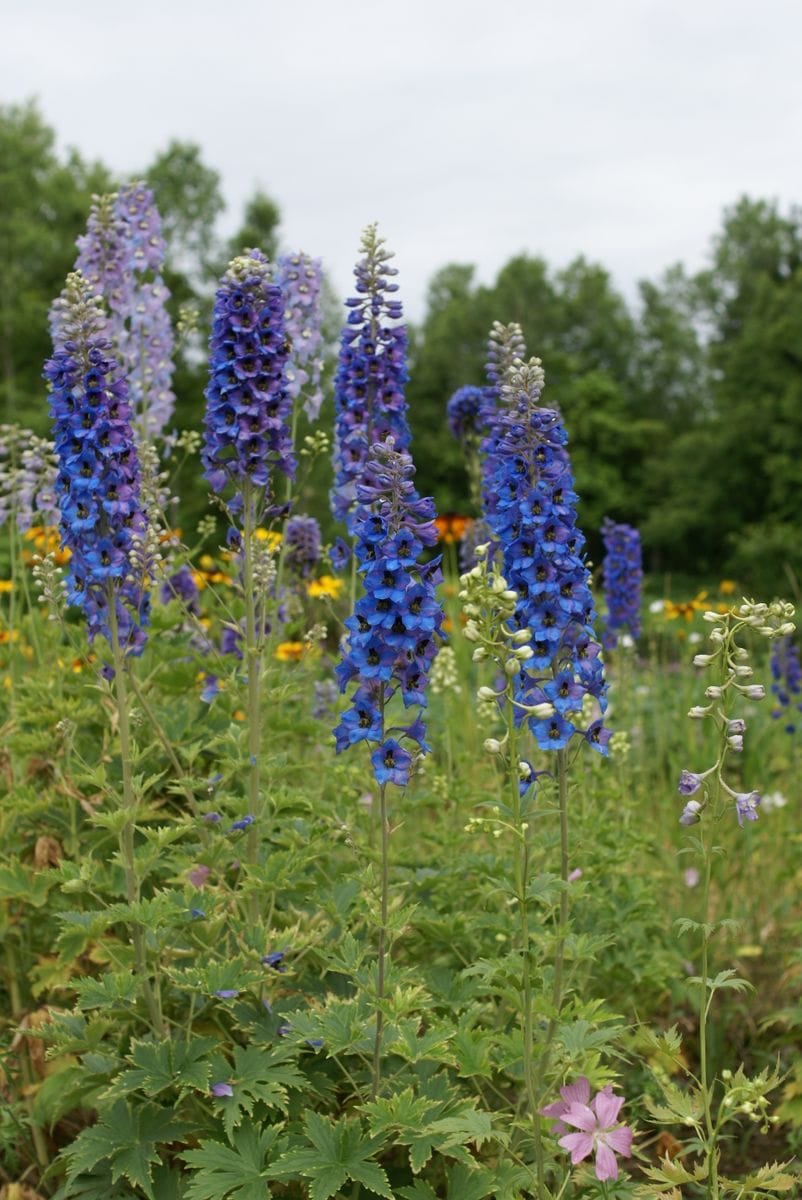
x: 300, y: 278
x: 464, y: 413
x: 302, y: 545
x: 786, y: 686
x: 505, y: 346
x: 534, y: 520
x: 246, y: 432
x: 28, y: 467
x: 595, y: 1125
x: 394, y: 629
x: 121, y: 255
x: 622, y: 573
x: 97, y: 485
x: 730, y: 661
x: 371, y: 374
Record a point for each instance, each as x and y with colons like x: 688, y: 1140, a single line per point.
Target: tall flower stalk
x: 392, y: 639
x: 371, y: 374
x: 728, y: 663
x: 247, y: 448
x: 104, y: 527
x: 531, y: 513
x: 622, y: 574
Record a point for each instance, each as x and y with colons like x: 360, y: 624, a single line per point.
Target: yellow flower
x: 272, y: 538
x: 199, y: 579
x: 686, y: 610
x: 6, y: 585
x: 290, y: 651
x: 728, y: 587
x: 326, y: 587
x: 207, y: 562
x: 238, y: 714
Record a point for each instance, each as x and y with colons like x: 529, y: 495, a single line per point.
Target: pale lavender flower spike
x: 300, y: 278
x: 28, y: 469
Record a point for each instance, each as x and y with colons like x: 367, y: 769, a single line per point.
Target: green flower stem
x: 382, y: 947
x: 13, y: 978
x: 704, y: 1010
x: 559, y: 954
x: 521, y: 889
x: 163, y: 738
x: 253, y: 661
x: 129, y: 807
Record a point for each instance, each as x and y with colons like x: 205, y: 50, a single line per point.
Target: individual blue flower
x: 242, y: 823
x: 371, y: 375
x: 391, y: 763
x: 746, y: 806
x: 98, y: 480
x: 622, y: 573
x: 221, y: 1090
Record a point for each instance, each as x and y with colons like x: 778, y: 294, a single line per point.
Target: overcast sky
x: 471, y: 131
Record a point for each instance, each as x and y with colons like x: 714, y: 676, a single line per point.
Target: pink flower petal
x: 555, y: 1110
x: 581, y: 1117
x: 619, y: 1139
x: 606, y: 1166
x: 607, y: 1108
x: 576, y: 1093
x: 580, y: 1145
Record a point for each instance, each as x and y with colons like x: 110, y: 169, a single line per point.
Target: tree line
x: 684, y: 410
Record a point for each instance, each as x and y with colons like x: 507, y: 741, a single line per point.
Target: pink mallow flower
x: 596, y: 1122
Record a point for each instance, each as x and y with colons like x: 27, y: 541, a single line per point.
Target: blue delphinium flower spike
x: 300, y: 278
x: 98, y: 482
x: 395, y: 627
x: 533, y: 517
x: 622, y: 573
x: 371, y: 374
x: 247, y: 437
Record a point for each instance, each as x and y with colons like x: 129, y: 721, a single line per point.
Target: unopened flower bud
x: 698, y: 711
x: 479, y: 654
x: 512, y: 667
x: 737, y: 725
x: 714, y: 693
x: 492, y: 745
x: 755, y: 691
x: 486, y: 693
x: 702, y: 660
x: 542, y: 711
x: 744, y: 672
x: 736, y: 742
x: 522, y: 653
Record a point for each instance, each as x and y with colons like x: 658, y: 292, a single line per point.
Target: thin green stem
x: 382, y: 946
x: 704, y: 1009
x: 253, y: 660
x: 163, y: 738
x: 129, y: 801
x: 521, y: 892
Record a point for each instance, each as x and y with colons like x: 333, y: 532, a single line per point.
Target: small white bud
x: 702, y: 660
x: 542, y: 711
x: 492, y: 745
x: 714, y: 693
x: 754, y: 691
x: 697, y: 712
x: 486, y: 693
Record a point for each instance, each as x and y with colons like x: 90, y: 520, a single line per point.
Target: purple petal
x: 606, y: 1166
x: 580, y: 1145
x: 581, y: 1117
x: 619, y: 1139
x: 607, y: 1107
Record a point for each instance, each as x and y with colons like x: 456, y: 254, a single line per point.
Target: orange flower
x: 290, y: 651
x: 728, y: 587
x: 451, y: 527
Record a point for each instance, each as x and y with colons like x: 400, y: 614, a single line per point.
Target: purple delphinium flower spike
x: 786, y: 685
x: 371, y: 374
x: 247, y: 438
x: 121, y: 255
x: 98, y: 483
x: 622, y: 573
x: 28, y: 470
x: 300, y: 278
x: 464, y: 413
x: 301, y: 545
x: 395, y: 626
x: 533, y: 518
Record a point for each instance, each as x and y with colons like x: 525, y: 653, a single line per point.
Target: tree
x: 43, y: 207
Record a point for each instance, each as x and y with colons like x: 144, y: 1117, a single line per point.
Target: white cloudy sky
x: 470, y: 130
